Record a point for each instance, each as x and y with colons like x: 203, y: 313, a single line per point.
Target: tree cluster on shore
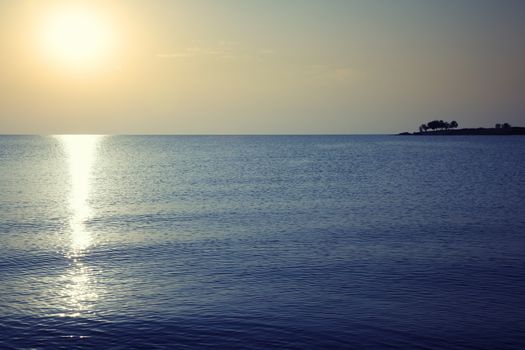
x: 502, y: 126
x: 439, y: 125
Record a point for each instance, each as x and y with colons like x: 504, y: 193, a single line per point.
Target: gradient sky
x: 267, y: 66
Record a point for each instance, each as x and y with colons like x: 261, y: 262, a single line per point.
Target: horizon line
x: 218, y: 134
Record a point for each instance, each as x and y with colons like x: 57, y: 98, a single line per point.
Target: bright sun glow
x: 76, y: 37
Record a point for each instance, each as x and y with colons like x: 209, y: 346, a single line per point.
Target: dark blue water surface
x: 261, y: 242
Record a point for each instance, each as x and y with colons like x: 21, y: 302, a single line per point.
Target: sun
x: 76, y: 38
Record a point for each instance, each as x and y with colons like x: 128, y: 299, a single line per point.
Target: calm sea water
x: 314, y: 242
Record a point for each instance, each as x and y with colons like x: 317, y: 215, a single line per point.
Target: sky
x: 259, y: 66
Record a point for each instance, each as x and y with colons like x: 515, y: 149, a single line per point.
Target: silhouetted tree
x: 506, y: 126
x: 453, y: 124
x: 423, y: 128
x: 497, y: 126
x: 433, y: 124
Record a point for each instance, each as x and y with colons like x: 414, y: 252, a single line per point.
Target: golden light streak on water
x: 81, y: 154
x: 79, y: 285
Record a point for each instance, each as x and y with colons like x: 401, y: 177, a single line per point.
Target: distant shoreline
x: 470, y: 131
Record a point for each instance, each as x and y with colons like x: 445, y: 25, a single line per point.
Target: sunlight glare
x: 81, y: 153
x: 78, y: 289
x: 76, y: 37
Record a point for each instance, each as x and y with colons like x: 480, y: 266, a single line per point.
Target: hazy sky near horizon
x: 260, y: 66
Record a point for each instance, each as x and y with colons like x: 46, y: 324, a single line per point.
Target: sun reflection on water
x: 81, y: 153
x: 78, y: 287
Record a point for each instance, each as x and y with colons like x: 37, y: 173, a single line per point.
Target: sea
x: 262, y: 242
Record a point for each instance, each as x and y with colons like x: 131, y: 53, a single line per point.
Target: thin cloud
x: 224, y: 50
x: 175, y: 55
x: 269, y: 52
